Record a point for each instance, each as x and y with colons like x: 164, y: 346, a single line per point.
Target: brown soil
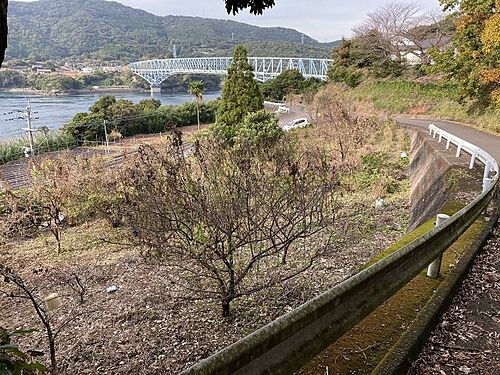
x: 142, y: 328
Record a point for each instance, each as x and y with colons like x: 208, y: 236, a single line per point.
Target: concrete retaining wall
x: 428, y: 192
x: 289, y: 342
x: 430, y: 163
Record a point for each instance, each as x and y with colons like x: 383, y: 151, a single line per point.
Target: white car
x: 282, y: 110
x: 298, y: 123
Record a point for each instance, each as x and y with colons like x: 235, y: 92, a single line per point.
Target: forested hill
x: 79, y: 29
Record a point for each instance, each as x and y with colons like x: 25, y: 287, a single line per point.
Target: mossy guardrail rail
x: 286, y: 344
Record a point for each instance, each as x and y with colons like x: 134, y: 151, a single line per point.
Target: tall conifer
x: 241, y: 94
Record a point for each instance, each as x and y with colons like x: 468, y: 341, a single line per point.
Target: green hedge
x: 132, y: 119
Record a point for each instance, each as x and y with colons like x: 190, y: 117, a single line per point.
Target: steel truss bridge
x: 265, y: 68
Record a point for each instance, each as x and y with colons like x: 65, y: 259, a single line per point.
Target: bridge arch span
x: 265, y: 68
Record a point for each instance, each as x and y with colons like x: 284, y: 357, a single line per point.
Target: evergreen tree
x: 240, y: 95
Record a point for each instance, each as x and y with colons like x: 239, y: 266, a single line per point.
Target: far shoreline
x: 100, y: 90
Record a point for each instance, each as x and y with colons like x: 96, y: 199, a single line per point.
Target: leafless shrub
x: 336, y: 115
x: 230, y: 222
x: 63, y: 190
x: 54, y: 311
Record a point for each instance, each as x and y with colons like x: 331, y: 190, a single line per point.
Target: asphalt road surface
x: 296, y: 112
x: 488, y: 142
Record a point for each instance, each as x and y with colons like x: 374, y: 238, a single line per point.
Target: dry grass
x: 429, y: 99
x: 143, y: 328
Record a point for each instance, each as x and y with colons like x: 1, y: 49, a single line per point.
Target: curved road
x: 488, y: 142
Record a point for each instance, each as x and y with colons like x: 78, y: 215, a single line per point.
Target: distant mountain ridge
x: 107, y: 30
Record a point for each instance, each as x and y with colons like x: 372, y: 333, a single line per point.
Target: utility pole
x: 29, y: 129
x: 302, y: 38
x: 106, y: 137
x: 27, y: 114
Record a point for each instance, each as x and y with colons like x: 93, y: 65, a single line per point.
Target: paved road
x: 488, y: 142
x: 296, y: 112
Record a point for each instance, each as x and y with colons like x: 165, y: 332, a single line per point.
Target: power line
x: 27, y: 115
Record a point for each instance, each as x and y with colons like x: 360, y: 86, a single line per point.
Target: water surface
x: 55, y: 111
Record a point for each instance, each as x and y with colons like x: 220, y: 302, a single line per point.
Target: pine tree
x: 241, y: 95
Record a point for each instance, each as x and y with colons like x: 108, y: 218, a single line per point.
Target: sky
x: 324, y: 20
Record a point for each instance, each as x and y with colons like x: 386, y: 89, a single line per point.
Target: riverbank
x: 99, y: 90
x: 55, y: 111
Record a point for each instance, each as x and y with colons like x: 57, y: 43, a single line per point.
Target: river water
x: 55, y: 111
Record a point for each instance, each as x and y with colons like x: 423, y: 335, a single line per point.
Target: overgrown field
x: 432, y: 99
x: 147, y: 326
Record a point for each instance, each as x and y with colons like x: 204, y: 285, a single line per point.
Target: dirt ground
x: 141, y: 328
x: 467, y: 339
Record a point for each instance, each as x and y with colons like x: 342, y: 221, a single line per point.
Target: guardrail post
x: 448, y: 143
x: 440, y: 137
x: 473, y: 158
x: 486, y: 183
x: 434, y: 268
x: 459, y: 149
x: 486, y: 174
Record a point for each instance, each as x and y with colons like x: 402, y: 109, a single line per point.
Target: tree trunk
x: 226, y: 302
x: 52, y: 348
x: 57, y: 236
x: 283, y: 259
x: 58, y: 246
x: 226, y: 311
x: 198, y: 113
x: 3, y: 29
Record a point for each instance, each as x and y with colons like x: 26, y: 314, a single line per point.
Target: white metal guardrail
x: 276, y: 104
x: 476, y: 153
x: 286, y: 344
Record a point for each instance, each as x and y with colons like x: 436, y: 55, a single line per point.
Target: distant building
x: 44, y: 71
x: 416, y: 53
x: 112, y: 69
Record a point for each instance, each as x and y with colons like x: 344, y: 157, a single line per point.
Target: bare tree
x: 62, y: 190
x: 335, y: 114
x: 229, y: 222
x: 44, y: 308
x: 433, y: 31
x: 399, y: 28
x: 40, y: 207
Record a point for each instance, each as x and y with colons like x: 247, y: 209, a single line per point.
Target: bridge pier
x: 155, y: 89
